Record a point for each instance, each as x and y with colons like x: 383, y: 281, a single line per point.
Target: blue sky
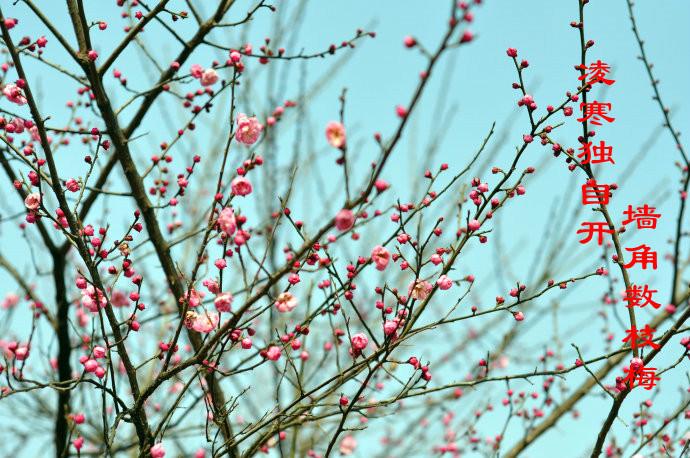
x: 473, y: 88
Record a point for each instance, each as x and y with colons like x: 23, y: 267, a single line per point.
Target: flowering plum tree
x: 188, y: 271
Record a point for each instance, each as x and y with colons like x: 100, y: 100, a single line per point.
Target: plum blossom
x: 636, y: 364
x: 93, y: 298
x: 209, y: 77
x: 223, y: 302
x: 273, y: 353
x: 189, y: 319
x: 227, y: 221
x: 16, y: 126
x: 381, y: 185
x: 72, y: 185
x: 157, y: 451
x: 389, y: 327
x: 241, y: 186
x: 212, y: 286
x: 380, y: 256
x: 90, y: 365
x: 14, y: 94
x: 335, y: 134
x: 419, y: 289
x: 444, y: 282
x: 10, y: 22
x: 248, y: 129
x: 206, y: 322
x: 21, y: 352
x: 78, y: 443
x: 196, y: 71
x: 473, y: 225
x: 10, y: 301
x: 119, y: 298
x: 344, y: 220
x: 35, y: 136
x: 194, y: 297
x: 33, y: 201
x: 348, y: 445
x: 359, y: 341
x: 286, y: 302
x: 99, y: 352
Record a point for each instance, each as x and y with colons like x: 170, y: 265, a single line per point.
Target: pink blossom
x: 209, y: 77
x: 90, y: 365
x: 10, y: 301
x: 223, y: 302
x: 241, y: 186
x: 248, y: 129
x: 473, y: 225
x: 359, y: 341
x: 227, y: 222
x: 348, y: 445
x: 92, y: 298
x: 189, y: 319
x: 241, y: 237
x: 21, y: 353
x: 381, y: 185
x: 273, y: 353
x: 99, y: 352
x: 389, y: 327
x: 72, y: 185
x: 78, y: 443
x: 206, y: 322
x: 444, y: 282
x: 35, y: 136
x: 119, y: 298
x: 335, y: 134
x: 636, y: 364
x: 14, y: 94
x: 33, y: 201
x: 15, y: 126
x: 157, y: 451
x: 194, y: 297
x: 196, y: 71
x: 212, y: 286
x: 419, y: 290
x: 344, y: 220
x: 380, y: 256
x: 286, y: 302
x: 82, y: 317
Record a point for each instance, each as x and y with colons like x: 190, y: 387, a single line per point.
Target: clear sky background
x: 472, y: 87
